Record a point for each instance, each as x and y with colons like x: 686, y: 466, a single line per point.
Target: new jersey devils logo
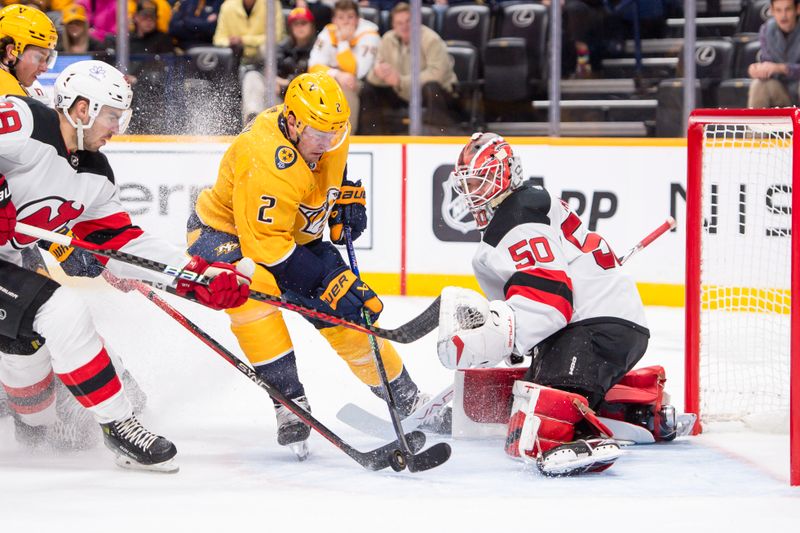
x: 51, y: 213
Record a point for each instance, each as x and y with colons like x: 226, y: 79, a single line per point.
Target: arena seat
x: 506, y: 70
x: 467, y: 23
x: 465, y: 65
x: 527, y: 21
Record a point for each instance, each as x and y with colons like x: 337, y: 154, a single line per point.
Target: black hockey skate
x: 138, y: 449
x: 292, y: 431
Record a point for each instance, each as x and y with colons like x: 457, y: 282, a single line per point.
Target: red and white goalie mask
x: 486, y: 171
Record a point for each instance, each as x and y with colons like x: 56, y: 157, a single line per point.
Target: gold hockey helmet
x: 317, y: 102
x: 28, y: 26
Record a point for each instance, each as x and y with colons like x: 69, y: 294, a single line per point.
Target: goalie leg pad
x: 543, y: 418
x: 639, y: 398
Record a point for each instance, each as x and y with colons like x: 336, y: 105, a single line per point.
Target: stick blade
x: 380, y: 458
x: 434, y: 456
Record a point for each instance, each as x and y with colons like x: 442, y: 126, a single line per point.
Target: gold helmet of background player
x: 28, y: 26
x: 317, y: 102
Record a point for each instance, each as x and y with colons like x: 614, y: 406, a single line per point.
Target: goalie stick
x: 409, y: 332
x: 359, y: 418
x: 404, y: 457
x: 373, y: 425
x: 667, y: 225
x: 376, y: 459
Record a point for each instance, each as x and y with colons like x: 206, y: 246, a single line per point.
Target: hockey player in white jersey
x: 53, y: 176
x: 556, y: 293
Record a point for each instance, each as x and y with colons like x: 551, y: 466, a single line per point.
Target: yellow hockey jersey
x: 266, y: 193
x: 9, y: 85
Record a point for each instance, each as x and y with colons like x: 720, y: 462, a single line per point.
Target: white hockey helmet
x: 486, y: 171
x: 99, y: 83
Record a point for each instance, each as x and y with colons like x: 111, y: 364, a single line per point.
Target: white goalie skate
x: 581, y: 456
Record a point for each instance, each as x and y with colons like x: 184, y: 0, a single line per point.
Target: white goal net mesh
x: 745, y: 272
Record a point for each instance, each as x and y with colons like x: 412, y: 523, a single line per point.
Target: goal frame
x: 694, y: 224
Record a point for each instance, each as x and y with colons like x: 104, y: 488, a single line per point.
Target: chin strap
x: 79, y: 127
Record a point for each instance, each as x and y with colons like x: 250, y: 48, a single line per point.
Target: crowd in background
x: 369, y: 58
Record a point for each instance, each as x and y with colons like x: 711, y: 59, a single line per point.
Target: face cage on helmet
x: 479, y: 186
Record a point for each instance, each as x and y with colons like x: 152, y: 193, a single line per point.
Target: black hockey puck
x: 397, y: 461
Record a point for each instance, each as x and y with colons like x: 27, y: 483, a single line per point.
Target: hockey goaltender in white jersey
x: 52, y: 176
x: 556, y: 293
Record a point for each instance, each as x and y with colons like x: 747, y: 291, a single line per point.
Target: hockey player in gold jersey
x: 279, y: 182
x: 28, y: 41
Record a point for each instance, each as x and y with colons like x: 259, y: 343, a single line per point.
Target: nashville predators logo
x: 285, y: 157
x: 226, y: 248
x: 316, y: 216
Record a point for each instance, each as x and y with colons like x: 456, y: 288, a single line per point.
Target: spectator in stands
x: 346, y: 50
x: 242, y: 26
x: 148, y: 75
x: 775, y: 77
x: 75, y: 38
x: 388, y: 84
x: 146, y: 38
x: 321, y: 9
x: 293, y: 54
x: 102, y: 16
x: 194, y: 22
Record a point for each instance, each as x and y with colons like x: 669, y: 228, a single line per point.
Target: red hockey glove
x: 228, y: 285
x: 8, y: 213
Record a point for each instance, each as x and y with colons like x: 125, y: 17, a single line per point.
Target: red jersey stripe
x: 87, y: 371
x: 102, y: 394
x: 30, y: 390
x: 32, y: 409
x: 548, y: 298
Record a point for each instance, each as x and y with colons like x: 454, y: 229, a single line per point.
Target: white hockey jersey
x: 538, y: 256
x: 54, y: 189
x: 355, y: 56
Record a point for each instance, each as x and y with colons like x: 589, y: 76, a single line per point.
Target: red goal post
x: 743, y: 267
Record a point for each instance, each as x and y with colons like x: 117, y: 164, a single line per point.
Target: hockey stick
x: 409, y: 332
x: 653, y: 235
x: 404, y: 456
x: 377, y: 459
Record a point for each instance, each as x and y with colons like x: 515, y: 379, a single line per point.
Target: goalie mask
x: 486, y: 172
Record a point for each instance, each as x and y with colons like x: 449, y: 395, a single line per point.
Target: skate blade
x: 580, y: 466
x: 167, y: 467
x: 300, y: 449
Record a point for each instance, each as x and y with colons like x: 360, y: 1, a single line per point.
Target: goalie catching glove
x: 350, y: 209
x: 473, y: 332
x: 228, y: 285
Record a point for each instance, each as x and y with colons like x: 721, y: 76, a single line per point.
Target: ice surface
x: 234, y: 476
